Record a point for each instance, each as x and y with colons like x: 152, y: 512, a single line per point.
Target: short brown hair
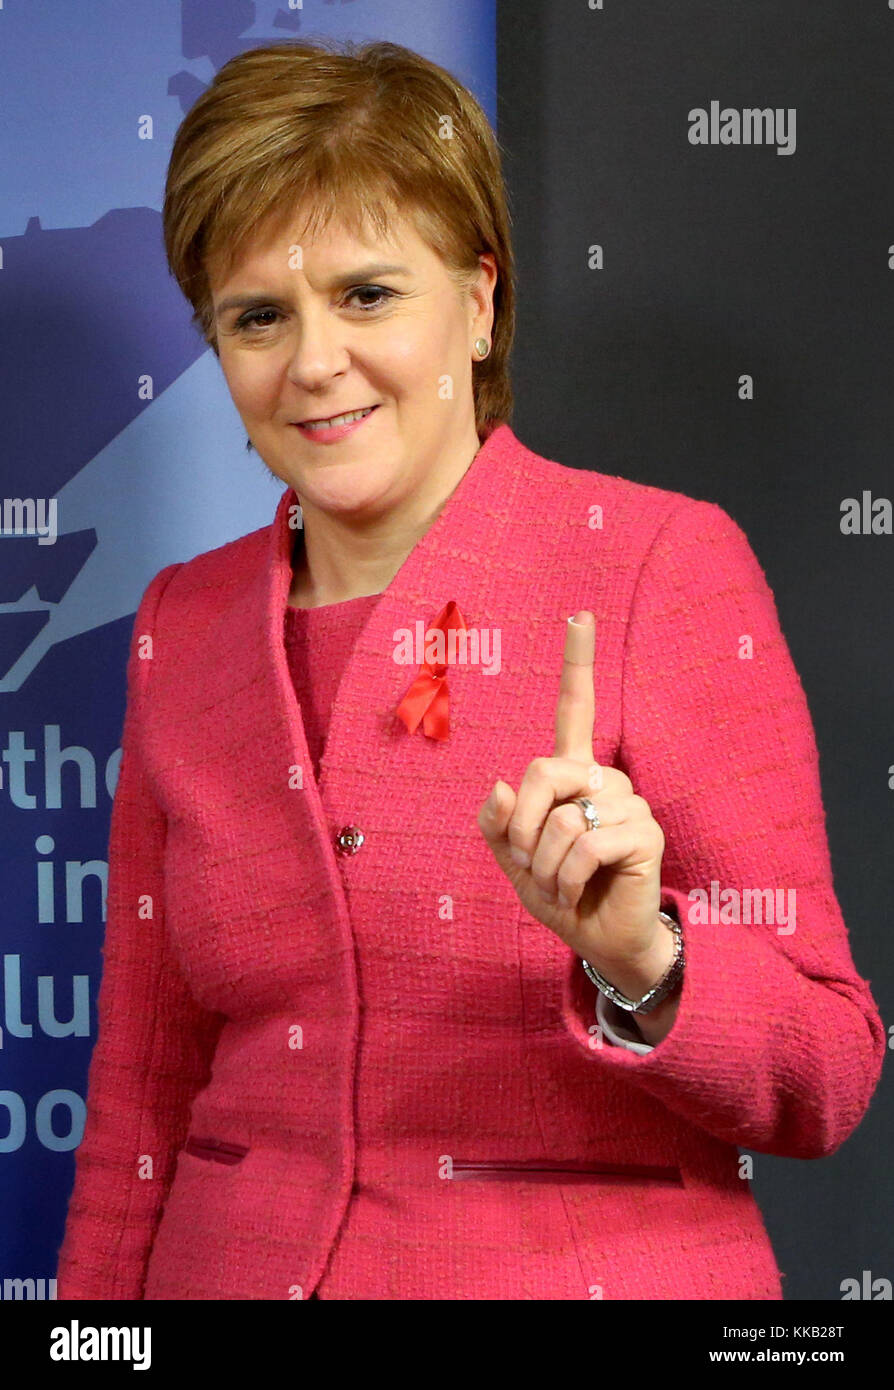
x: 356, y: 130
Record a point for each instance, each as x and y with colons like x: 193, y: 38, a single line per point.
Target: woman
x: 349, y: 1046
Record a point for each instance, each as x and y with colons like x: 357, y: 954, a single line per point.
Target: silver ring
x: 589, y: 811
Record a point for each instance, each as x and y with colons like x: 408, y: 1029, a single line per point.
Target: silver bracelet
x: 668, y: 981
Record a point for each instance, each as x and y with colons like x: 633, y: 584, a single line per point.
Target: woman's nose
x: 319, y: 349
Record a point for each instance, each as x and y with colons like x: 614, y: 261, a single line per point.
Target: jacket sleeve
x: 777, y: 1044
x: 154, y: 1044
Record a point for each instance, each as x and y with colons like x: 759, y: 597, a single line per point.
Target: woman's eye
x: 254, y: 316
x: 379, y: 290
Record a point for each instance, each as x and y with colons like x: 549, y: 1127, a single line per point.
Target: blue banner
x: 124, y: 453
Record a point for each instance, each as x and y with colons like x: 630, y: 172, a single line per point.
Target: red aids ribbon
x: 426, y: 699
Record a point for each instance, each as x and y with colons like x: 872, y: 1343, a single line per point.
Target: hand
x: 610, y: 876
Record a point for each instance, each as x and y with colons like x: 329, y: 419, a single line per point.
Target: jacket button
x: 349, y: 839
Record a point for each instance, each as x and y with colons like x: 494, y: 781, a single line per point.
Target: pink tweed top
x: 319, y: 642
x: 358, y: 1068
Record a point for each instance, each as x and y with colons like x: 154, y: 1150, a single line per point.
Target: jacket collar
x: 466, y: 533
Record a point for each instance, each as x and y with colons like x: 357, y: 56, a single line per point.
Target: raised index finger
x: 576, y: 705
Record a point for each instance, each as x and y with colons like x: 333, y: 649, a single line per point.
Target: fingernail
x: 520, y: 857
x: 565, y: 902
x: 490, y: 804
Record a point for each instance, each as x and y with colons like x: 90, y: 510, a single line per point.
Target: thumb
x: 496, y: 813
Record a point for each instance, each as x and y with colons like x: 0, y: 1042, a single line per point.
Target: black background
x: 718, y: 261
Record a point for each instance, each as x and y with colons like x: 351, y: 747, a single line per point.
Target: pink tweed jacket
x: 372, y: 1074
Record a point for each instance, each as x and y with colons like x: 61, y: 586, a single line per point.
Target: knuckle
x: 566, y: 817
x: 518, y: 833
x: 569, y: 887
x: 618, y: 781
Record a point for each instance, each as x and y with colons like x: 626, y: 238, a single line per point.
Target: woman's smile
x: 329, y: 431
